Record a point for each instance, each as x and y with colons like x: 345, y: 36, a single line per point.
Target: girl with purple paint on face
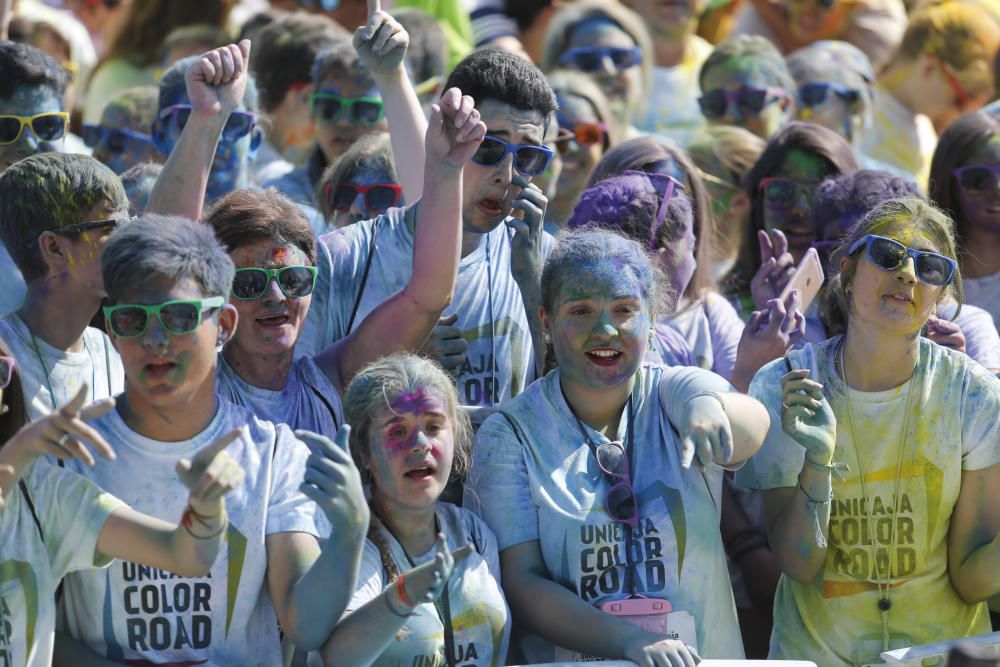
x: 586, y: 477
x: 429, y: 587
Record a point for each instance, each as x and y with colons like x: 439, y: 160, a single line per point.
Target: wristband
x: 401, y: 592
x: 833, y: 467
x: 393, y: 610
x: 713, y: 394
x: 186, y: 523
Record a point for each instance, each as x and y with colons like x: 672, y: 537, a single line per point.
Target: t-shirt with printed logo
x: 500, y: 360
x: 71, y: 511
x: 545, y: 484
x: 132, y: 612
x: 952, y: 427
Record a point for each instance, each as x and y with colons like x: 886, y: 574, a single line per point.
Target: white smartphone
x: 807, y: 279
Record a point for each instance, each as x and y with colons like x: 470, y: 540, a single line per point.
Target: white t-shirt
x: 545, y: 484
x: 479, y: 615
x: 985, y: 293
x: 500, y: 359
x: 131, y: 612
x: 44, y: 369
x: 309, y: 400
x: 713, y: 329
x: 71, y: 511
x: 953, y: 427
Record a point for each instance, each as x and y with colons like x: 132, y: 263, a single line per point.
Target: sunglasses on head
x: 45, y: 126
x: 978, y: 178
x: 815, y: 93
x: 592, y: 58
x: 378, y: 196
x: 176, y: 317
x: 529, y: 159
x: 784, y: 192
x: 7, y: 365
x: 115, y: 139
x: 620, y: 499
x: 294, y: 282
x: 238, y: 125
x: 890, y: 255
x: 584, y: 134
x: 328, y: 107
x: 750, y: 101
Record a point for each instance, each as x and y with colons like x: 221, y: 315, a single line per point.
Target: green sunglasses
x: 176, y: 317
x: 328, y: 106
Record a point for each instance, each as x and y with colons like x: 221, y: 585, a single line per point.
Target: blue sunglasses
x: 890, y: 255
x: 529, y: 159
x: 815, y: 93
x: 115, y: 139
x: 592, y: 58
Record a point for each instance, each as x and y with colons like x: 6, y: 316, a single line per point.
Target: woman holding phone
x: 881, y: 451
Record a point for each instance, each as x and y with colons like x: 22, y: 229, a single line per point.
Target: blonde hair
x: 569, y: 82
x: 912, y: 212
x: 726, y: 152
x: 560, y: 32
x: 959, y: 33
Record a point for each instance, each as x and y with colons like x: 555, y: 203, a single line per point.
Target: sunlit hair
x: 370, y: 152
x: 917, y: 213
x: 578, y: 249
x: 652, y: 154
x: 559, y: 33
x: 960, y: 34
x: 754, y: 53
x: 726, y: 152
x: 569, y: 82
x: 245, y: 217
x: 380, y: 384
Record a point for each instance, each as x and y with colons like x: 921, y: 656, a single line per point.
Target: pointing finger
x: 210, y: 451
x: 374, y: 6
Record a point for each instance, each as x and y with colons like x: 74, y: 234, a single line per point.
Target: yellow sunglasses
x: 45, y: 126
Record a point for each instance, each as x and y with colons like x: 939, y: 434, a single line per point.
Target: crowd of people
x: 482, y: 332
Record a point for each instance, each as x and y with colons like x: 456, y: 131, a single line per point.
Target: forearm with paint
x: 180, y: 188
x: 792, y: 519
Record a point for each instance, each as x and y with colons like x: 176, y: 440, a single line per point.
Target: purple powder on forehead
x: 602, y: 202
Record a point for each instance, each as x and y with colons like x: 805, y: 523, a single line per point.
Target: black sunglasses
x: 294, y: 282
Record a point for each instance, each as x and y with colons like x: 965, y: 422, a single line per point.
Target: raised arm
x: 407, y: 317
x: 215, y: 85
x: 381, y: 44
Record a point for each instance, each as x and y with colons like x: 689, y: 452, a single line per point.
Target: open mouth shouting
x: 491, y: 206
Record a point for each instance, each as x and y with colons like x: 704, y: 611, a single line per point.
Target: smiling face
x: 982, y: 209
x: 623, y: 88
x: 411, y: 449
x: 336, y: 136
x: 600, y: 326
x: 270, y: 325
x: 28, y: 101
x: 894, y: 301
x: 166, y: 371
x: 578, y: 160
x: 487, y: 192
x: 359, y: 208
x: 795, y: 220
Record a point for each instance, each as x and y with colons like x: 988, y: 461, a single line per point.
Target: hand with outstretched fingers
x: 947, y: 333
x: 454, y: 131
x: 528, y: 206
x: 381, y: 43
x: 333, y: 482
x: 806, y: 416
x: 776, y: 268
x: 770, y: 333
x: 662, y: 653
x: 446, y: 345
x: 217, y: 81
x: 706, y: 434
x: 65, y: 433
x: 425, y: 582
x: 210, y: 475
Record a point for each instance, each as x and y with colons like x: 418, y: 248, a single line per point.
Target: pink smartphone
x: 807, y: 279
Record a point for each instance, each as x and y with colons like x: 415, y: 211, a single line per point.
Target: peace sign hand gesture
x: 381, y: 43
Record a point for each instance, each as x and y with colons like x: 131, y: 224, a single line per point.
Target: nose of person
x: 604, y: 326
x: 907, y: 272
x: 608, y: 66
x: 420, y: 441
x: 504, y: 171
x: 272, y: 293
x: 358, y: 209
x: 156, y: 337
x: 28, y: 143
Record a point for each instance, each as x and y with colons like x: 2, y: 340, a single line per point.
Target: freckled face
x: 28, y: 101
x: 271, y: 324
x: 136, y: 151
x: 896, y: 301
x: 623, y: 88
x: 336, y: 136
x: 359, y: 209
x: 411, y: 450
x: 162, y: 369
x: 487, y: 192
x: 795, y: 220
x: 982, y: 208
x: 600, y: 328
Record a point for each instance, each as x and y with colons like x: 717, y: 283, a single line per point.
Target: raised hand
x: 333, y: 482
x: 425, y: 582
x: 63, y: 433
x: 381, y: 43
x: 946, y: 332
x: 454, y: 131
x: 446, y: 345
x: 776, y: 268
x: 210, y: 475
x: 526, y: 259
x: 217, y: 81
x: 767, y: 336
x: 806, y: 416
x: 705, y: 432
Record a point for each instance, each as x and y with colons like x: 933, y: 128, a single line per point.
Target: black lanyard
x: 442, y: 606
x: 629, y: 440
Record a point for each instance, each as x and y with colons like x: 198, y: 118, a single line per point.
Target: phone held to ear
x: 807, y: 279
